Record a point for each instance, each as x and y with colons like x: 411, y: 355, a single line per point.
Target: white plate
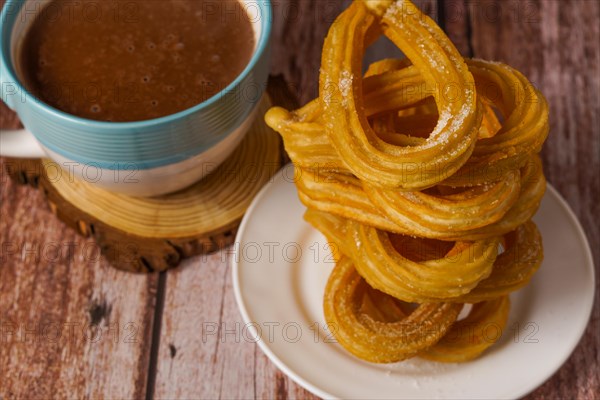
x: 280, y: 270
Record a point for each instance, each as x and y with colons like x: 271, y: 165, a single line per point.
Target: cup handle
x: 20, y: 143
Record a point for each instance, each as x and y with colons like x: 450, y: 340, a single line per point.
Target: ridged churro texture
x: 424, y: 175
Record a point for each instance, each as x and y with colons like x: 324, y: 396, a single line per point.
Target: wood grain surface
x: 73, y: 326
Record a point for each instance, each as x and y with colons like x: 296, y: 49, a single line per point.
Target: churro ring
x: 376, y: 327
x: 464, y: 272
x: 372, y: 339
x: 464, y: 341
x: 430, y: 215
x: 438, y: 62
x: 429, y: 277
x: 502, y: 148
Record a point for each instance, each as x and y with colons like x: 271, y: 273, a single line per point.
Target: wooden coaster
x: 154, y: 234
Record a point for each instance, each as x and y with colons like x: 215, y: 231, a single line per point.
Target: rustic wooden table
x: 73, y: 326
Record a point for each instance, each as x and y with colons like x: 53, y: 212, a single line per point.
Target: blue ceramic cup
x: 157, y: 156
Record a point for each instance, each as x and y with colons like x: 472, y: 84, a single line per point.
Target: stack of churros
x: 424, y: 174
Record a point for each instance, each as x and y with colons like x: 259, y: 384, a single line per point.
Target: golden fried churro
x: 424, y: 173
